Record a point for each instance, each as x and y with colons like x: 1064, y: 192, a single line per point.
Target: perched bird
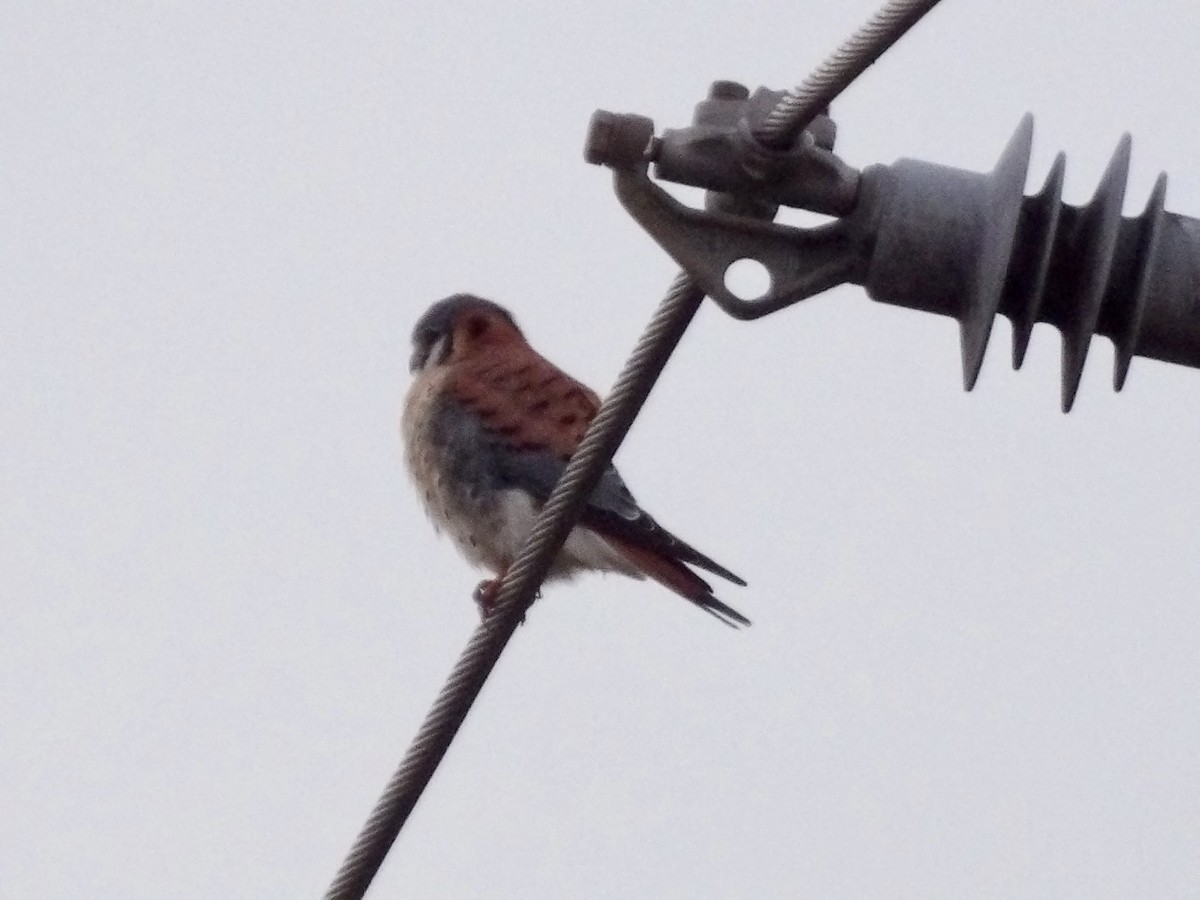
x: 489, y: 425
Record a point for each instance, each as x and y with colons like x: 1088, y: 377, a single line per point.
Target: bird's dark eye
x: 476, y: 325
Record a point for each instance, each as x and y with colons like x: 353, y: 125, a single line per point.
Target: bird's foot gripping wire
x: 485, y: 594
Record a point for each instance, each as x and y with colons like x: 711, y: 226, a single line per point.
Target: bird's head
x: 454, y: 327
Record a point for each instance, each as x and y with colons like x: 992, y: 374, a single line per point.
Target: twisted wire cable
x: 857, y: 53
x: 518, y: 589
x: 521, y: 582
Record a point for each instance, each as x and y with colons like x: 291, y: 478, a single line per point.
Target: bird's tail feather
x: 649, y: 534
x: 689, y: 554
x: 680, y: 579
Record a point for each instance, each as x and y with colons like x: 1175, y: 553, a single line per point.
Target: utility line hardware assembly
x: 915, y: 234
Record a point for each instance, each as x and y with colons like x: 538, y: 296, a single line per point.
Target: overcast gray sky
x: 973, y: 670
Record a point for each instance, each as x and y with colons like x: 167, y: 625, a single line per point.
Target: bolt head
x: 728, y: 90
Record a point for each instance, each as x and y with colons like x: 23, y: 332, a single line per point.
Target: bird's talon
x: 484, y: 596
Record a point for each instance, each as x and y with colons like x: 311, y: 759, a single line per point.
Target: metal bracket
x: 746, y: 181
x: 800, y: 262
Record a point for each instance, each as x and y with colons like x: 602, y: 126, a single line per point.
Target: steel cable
x: 856, y: 54
x: 520, y: 584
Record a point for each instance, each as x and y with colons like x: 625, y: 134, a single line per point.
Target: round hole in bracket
x: 748, y: 279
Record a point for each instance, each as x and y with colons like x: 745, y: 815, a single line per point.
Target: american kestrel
x: 489, y: 425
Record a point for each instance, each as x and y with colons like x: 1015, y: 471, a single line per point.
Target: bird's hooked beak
x: 416, y: 362
x: 426, y: 353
